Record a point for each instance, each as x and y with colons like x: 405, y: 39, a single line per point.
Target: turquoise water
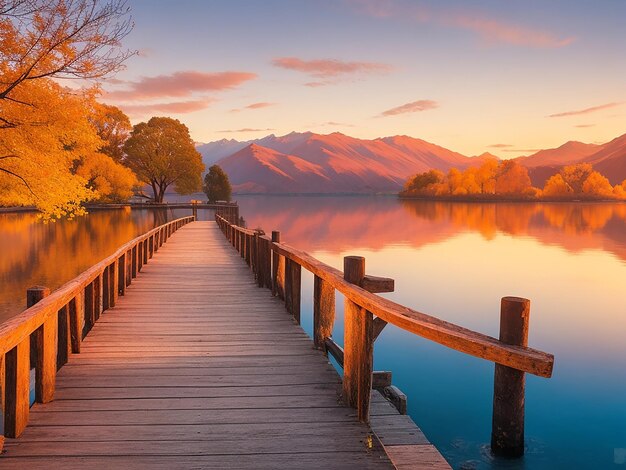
x: 451, y: 260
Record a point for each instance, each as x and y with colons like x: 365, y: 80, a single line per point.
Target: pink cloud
x: 593, y: 109
x: 180, y: 84
x: 245, y: 129
x: 253, y: 106
x: 583, y: 126
x: 181, y: 107
x: 489, y: 29
x: 499, y: 146
x: 324, y: 68
x: 413, y: 107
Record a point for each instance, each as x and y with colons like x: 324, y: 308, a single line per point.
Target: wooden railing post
x: 17, y: 389
x: 121, y: 273
x: 64, y: 344
x: 293, y: 280
x: 507, y: 432
x: 114, y: 282
x: 278, y: 270
x: 358, y: 344
x: 44, y: 343
x: 135, y: 262
x: 77, y: 315
x: 323, y: 311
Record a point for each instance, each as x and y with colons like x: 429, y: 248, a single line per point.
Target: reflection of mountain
x: 339, y: 224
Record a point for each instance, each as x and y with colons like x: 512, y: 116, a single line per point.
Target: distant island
x: 309, y: 163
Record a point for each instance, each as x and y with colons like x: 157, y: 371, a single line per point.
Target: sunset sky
x: 506, y: 77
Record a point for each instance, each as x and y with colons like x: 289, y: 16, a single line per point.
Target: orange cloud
x: 180, y: 84
x: 593, y: 109
x: 499, y: 146
x: 324, y: 68
x: 181, y: 107
x: 413, y: 107
x: 489, y: 29
x: 583, y: 126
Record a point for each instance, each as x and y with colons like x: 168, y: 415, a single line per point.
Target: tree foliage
x: 113, y: 127
x: 161, y: 153
x: 216, y: 185
x: 111, y: 182
x: 60, y: 39
x: 510, y: 179
x: 45, y: 128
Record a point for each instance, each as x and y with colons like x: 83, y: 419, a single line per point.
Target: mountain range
x: 309, y: 163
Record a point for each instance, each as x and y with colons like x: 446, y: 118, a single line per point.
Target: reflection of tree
x: 51, y: 254
x: 518, y: 218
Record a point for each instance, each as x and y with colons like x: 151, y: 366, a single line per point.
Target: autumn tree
x: 597, y: 186
x: 556, y: 187
x: 113, y: 127
x: 512, y: 179
x: 216, y: 185
x: 111, y: 182
x: 44, y: 127
x: 575, y: 176
x: 161, y: 153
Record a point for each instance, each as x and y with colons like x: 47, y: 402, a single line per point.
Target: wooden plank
x: 194, y: 367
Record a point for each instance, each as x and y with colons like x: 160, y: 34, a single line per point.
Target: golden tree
x: 44, y: 128
x: 161, y: 153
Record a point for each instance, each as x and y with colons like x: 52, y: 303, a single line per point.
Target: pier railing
x: 278, y: 267
x: 52, y: 327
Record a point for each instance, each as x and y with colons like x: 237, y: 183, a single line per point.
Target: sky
x: 507, y: 77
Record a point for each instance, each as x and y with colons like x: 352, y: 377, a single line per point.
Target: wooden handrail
x: 510, y: 353
x: 53, y: 325
x: 448, y: 334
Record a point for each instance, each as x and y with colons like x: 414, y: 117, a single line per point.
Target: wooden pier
x: 180, y: 360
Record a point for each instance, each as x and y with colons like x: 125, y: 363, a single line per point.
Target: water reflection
x: 337, y: 224
x: 34, y: 253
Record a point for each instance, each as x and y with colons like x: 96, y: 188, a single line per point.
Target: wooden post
x: 97, y: 297
x: 121, y: 284
x: 64, y: 345
x: 278, y: 270
x: 129, y: 267
x: 76, y: 312
x: 135, y: 262
x: 90, y: 317
x: 248, y: 251
x: 323, y: 311
x: 259, y: 257
x: 139, y: 256
x: 267, y: 266
x: 358, y: 344
x: 17, y: 389
x: 145, y: 252
x: 114, y: 282
x: 507, y: 432
x: 44, y: 343
x: 294, y: 279
x: 106, y: 289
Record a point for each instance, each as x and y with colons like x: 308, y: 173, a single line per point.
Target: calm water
x: 451, y: 260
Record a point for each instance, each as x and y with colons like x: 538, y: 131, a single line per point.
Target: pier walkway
x: 196, y: 367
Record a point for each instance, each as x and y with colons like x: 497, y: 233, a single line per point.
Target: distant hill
x: 567, y: 154
x: 609, y: 159
x: 306, y: 162
x: 334, y: 163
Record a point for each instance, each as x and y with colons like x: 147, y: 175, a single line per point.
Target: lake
x: 451, y: 260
